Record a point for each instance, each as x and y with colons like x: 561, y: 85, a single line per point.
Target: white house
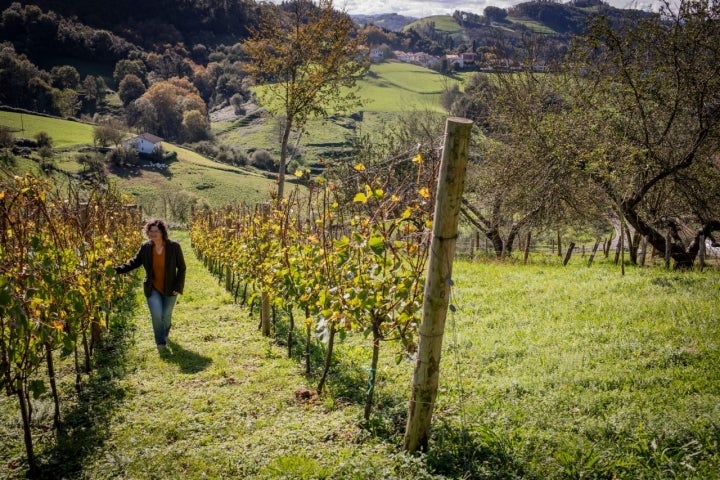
x: 143, y: 143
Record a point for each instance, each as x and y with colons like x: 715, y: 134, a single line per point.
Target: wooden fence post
x: 701, y: 252
x: 451, y: 182
x: 592, y: 255
x: 527, y: 248
x: 569, y: 253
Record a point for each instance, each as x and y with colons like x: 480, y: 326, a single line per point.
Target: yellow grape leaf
x: 299, y: 173
x: 359, y: 167
x: 424, y: 192
x: 417, y: 158
x: 378, y: 193
x: 395, y: 198
x: 360, y: 198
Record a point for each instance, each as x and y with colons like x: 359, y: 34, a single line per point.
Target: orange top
x: 158, y: 270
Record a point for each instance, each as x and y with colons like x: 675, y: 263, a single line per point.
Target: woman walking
x: 164, y: 280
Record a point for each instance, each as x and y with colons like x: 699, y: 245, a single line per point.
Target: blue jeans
x: 161, y: 307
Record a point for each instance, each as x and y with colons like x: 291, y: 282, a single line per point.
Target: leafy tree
x: 170, y: 99
x: 126, y: 67
x: 131, y: 88
x: 65, y: 76
x: 635, y: 118
x: 655, y: 114
x: 195, y: 126
x: 142, y: 115
x: 7, y: 140
x: 67, y: 102
x: 495, y: 14
x: 107, y: 132
x: 311, y: 57
x: 22, y: 84
x: 90, y: 90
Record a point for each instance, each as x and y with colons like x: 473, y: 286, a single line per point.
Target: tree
x: 126, y: 67
x: 629, y: 126
x: 131, y: 88
x: 310, y: 57
x: 7, y: 140
x: 195, y: 126
x: 107, y: 132
x: 67, y: 102
x: 65, y: 76
x: 170, y: 99
x: 654, y: 117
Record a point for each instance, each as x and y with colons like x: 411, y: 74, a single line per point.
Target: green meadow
x: 212, y: 183
x: 548, y: 372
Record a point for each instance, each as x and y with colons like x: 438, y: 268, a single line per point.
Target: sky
x: 425, y: 8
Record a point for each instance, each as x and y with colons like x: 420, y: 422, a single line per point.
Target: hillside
x: 191, y: 178
x: 483, y: 31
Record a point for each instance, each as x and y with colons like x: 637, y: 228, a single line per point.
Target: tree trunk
x: 265, y: 313
x: 53, y: 384
x: 291, y: 329
x: 328, y: 358
x: 373, y: 368
x: 283, y: 159
x: 437, y: 283
x: 308, y: 339
x: 24, y: 399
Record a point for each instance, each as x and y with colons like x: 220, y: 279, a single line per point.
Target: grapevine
x: 56, y: 253
x: 354, y: 266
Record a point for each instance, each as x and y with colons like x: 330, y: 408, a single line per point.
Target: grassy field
x: 443, y: 24
x: 389, y: 91
x: 63, y: 132
x: 210, y: 182
x: 547, y: 372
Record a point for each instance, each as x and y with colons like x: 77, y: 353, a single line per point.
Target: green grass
x: 547, y: 372
x: 443, y: 24
x: 534, y: 26
x: 388, y: 91
x: 211, y: 182
x: 63, y: 132
x: 401, y: 87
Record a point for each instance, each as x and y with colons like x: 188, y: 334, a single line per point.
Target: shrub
x: 263, y: 160
x: 122, y: 156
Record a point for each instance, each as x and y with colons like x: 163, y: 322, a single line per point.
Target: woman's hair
x: 160, y: 224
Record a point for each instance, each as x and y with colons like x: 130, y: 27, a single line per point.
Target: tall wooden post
x: 438, y: 283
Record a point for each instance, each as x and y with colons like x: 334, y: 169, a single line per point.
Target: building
x: 144, y: 143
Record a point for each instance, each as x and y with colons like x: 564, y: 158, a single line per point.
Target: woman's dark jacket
x: 174, y: 267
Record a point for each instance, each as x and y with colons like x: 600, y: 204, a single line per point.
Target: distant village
x: 463, y: 61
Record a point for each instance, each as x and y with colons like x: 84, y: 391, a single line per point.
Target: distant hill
x: 554, y: 22
x: 388, y: 21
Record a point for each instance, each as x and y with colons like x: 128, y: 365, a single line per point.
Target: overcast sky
x: 424, y: 8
